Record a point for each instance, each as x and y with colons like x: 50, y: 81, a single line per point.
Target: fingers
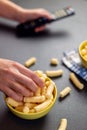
x: 37, y: 13
x: 26, y: 81
x: 26, y: 75
x: 32, y: 14
x: 40, y: 29
x: 9, y: 92
x: 21, y: 89
x: 19, y: 81
x: 16, y: 91
x: 43, y: 13
x: 37, y: 79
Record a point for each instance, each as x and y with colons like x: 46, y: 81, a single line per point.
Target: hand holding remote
x: 29, y: 27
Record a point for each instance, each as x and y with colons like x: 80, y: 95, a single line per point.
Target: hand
x: 33, y: 14
x: 17, y: 81
x: 15, y: 12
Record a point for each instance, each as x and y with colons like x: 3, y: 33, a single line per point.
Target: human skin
x: 17, y: 81
x: 14, y: 12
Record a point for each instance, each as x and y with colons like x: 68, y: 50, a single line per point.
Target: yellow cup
x: 83, y: 53
x: 35, y: 115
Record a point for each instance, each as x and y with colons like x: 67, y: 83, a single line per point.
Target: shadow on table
x: 44, y: 34
x: 11, y: 122
x: 47, y: 33
x: 7, y: 28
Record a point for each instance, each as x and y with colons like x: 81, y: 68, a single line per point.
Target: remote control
x: 28, y: 27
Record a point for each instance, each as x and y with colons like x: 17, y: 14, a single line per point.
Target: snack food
x: 76, y: 81
x: 39, y: 104
x: 54, y: 61
x: 63, y: 124
x: 65, y: 92
x: 54, y: 73
x: 30, y: 62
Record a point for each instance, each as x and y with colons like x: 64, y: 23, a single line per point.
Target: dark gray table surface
x: 60, y: 36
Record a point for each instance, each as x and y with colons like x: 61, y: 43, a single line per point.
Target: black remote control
x: 28, y: 27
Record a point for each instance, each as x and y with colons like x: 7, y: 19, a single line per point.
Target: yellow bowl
x: 32, y: 116
x: 83, y: 53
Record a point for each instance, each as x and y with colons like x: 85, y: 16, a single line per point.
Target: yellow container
x: 83, y: 53
x: 36, y: 115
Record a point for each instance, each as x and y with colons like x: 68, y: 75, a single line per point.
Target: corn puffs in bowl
x: 38, y: 105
